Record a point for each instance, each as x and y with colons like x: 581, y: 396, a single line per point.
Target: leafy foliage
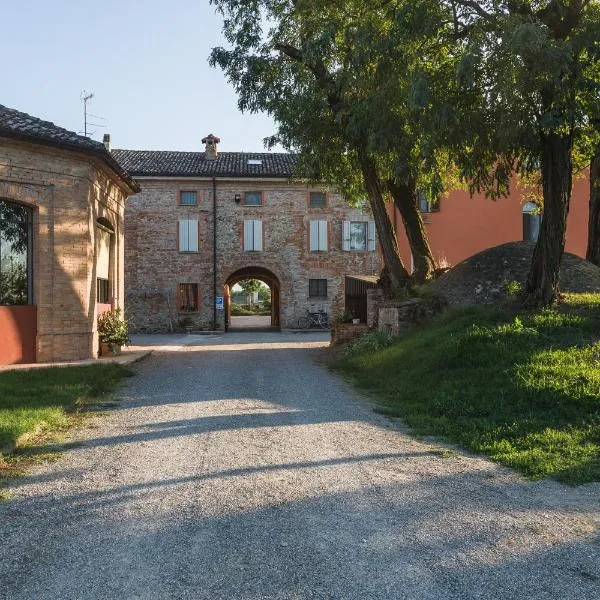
x: 112, y: 328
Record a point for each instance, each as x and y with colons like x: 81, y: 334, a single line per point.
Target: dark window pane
x: 15, y: 253
x: 188, y: 198
x: 102, y: 291
x: 317, y: 287
x: 188, y: 297
x: 318, y: 200
x: 253, y: 198
x: 531, y: 226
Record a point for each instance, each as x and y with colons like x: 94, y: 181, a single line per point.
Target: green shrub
x: 513, y: 288
x: 112, y: 328
x: 368, y: 343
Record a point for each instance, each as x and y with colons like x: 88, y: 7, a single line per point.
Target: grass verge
x: 521, y: 387
x: 40, y: 404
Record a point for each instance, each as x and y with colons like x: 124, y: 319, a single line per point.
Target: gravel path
x: 238, y: 468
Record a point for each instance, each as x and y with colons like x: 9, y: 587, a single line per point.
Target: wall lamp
x: 237, y: 198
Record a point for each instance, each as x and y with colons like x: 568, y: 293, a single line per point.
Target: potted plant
x: 112, y: 332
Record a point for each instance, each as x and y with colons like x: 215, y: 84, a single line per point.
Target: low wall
x: 345, y: 332
x: 18, y: 330
x: 399, y: 317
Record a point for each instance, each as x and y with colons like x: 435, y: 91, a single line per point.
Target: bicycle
x: 314, y: 319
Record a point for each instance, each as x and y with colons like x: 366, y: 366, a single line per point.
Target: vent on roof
x: 254, y: 161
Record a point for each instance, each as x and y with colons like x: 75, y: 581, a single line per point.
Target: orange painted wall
x: 466, y: 225
x: 18, y: 330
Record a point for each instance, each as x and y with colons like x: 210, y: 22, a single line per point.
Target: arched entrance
x: 262, y: 274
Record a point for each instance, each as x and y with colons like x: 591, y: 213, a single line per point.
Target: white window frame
x: 318, y: 236
x: 188, y: 235
x: 253, y: 235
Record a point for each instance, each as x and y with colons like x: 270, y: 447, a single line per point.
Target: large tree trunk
x: 396, y: 273
x: 593, y: 248
x: 557, y: 173
x: 406, y: 200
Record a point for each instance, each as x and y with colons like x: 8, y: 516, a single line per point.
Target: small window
x: 318, y: 200
x: 188, y: 235
x: 188, y: 297
x: 102, y: 291
x: 187, y: 198
x: 253, y: 199
x: 317, y: 288
x: 358, y: 235
x: 532, y: 219
x: 318, y: 236
x: 253, y: 236
x: 254, y: 161
x: 425, y: 206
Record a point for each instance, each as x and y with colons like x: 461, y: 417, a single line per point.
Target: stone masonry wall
x: 68, y: 192
x: 155, y: 267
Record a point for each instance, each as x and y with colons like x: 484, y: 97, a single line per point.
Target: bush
x: 368, y: 343
x: 112, y: 328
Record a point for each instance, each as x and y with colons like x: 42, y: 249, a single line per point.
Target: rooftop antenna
x: 85, y: 98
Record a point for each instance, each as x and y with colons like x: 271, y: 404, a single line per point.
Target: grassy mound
x: 520, y: 387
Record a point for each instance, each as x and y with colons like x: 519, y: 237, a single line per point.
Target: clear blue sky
x: 145, y: 61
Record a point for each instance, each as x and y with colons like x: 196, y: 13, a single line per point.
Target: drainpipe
x: 214, y: 191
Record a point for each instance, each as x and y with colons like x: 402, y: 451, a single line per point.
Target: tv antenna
x: 85, y: 98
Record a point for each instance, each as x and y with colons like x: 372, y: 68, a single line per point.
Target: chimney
x: 106, y: 141
x: 210, y: 146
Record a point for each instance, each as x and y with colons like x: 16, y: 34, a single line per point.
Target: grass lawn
x: 41, y: 401
x: 522, y: 387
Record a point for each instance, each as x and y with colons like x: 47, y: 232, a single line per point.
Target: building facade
x: 62, y: 202
x: 207, y: 220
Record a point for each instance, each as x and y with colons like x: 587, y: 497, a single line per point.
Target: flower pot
x: 104, y: 349
x: 356, y: 321
x: 108, y: 349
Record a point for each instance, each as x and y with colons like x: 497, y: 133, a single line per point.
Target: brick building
x: 62, y: 200
x: 206, y: 220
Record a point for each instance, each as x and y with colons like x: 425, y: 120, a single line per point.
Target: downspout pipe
x: 214, y: 195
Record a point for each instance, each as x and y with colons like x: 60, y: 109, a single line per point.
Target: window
x: 16, y: 257
x: 253, y: 199
x: 188, y: 297
x: 187, y: 198
x: 532, y: 219
x: 318, y: 236
x: 317, y: 288
x: 358, y: 235
x: 188, y: 235
x: 102, y: 291
x: 253, y: 236
x: 254, y: 161
x: 317, y: 199
x: 425, y: 206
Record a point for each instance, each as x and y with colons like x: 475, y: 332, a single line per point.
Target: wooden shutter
x: 371, y: 237
x: 193, y: 235
x: 103, y: 253
x: 258, y: 236
x: 183, y: 236
x: 323, y: 236
x: 346, y: 235
x: 314, y: 236
x: 248, y: 235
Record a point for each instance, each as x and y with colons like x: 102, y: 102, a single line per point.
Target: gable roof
x: 156, y: 163
x: 18, y: 125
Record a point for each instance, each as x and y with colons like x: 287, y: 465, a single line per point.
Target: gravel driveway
x: 238, y: 468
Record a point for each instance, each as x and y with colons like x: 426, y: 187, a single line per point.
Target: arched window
x: 16, y: 256
x: 532, y: 219
x: 104, y: 242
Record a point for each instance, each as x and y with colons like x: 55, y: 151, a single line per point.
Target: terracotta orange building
x: 461, y: 225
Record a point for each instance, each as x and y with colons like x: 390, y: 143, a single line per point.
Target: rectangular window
x: 318, y: 236
x: 187, y: 198
x: 317, y: 288
x: 253, y: 236
x: 318, y: 200
x: 188, y: 235
x: 359, y: 235
x: 425, y: 206
x: 188, y: 297
x: 102, y: 291
x: 253, y: 199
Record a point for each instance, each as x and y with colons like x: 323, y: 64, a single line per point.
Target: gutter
x: 214, y: 194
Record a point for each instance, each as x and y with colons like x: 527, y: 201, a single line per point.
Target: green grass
x: 520, y: 387
x: 41, y: 401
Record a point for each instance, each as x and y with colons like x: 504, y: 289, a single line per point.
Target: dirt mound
x: 483, y: 277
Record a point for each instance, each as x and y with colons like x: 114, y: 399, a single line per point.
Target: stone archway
x: 262, y: 274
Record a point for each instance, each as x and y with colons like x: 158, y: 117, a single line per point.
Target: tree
x: 593, y: 247
x: 535, y: 66
x: 250, y: 285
